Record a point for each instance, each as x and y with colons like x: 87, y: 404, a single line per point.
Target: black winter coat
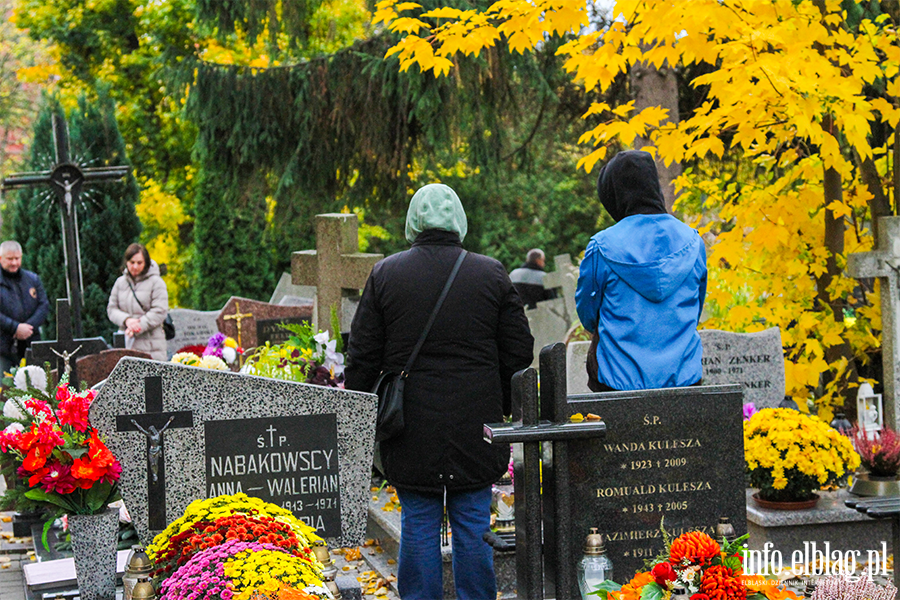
x: 461, y: 378
x: 22, y: 300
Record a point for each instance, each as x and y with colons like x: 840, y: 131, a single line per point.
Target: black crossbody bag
x: 168, y: 325
x: 389, y: 385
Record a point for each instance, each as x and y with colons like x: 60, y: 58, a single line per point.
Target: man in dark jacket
x: 23, y: 306
x: 459, y: 382
x: 529, y: 279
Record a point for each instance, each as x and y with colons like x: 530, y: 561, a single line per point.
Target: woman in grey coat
x: 139, y: 303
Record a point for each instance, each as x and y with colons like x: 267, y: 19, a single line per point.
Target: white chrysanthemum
x: 36, y: 376
x: 213, y: 362
x: 186, y: 358
x: 11, y: 410
x: 14, y: 428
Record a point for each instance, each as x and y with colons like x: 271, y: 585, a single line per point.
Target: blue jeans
x: 419, y: 573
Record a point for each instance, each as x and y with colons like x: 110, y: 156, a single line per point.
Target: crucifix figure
x: 154, y: 446
x: 334, y: 266
x: 152, y: 424
x: 64, y: 347
x: 237, y: 317
x: 67, y: 179
x: 884, y: 263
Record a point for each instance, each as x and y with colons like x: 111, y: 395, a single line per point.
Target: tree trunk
x: 657, y: 87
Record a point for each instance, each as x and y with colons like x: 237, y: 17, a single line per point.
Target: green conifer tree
x: 106, y: 213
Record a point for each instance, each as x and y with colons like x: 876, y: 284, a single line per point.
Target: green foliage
x: 106, y: 213
x: 604, y: 588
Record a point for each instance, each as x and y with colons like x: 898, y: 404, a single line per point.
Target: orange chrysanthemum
x: 695, y: 547
x: 632, y: 589
x: 720, y: 583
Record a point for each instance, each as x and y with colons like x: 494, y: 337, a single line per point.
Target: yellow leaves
x: 587, y: 162
x: 41, y: 73
x: 839, y: 209
x: 739, y: 317
x: 407, y: 25
x: 889, y: 113
x: 445, y: 12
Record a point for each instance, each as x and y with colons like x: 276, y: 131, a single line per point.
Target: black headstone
x: 271, y: 330
x: 291, y: 461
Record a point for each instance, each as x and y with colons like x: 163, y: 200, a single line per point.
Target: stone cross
x: 66, y: 179
x: 884, y: 263
x: 564, y: 277
x: 64, y: 350
x: 237, y: 317
x: 335, y: 265
x: 152, y: 424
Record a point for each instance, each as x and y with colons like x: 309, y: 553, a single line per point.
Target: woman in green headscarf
x: 459, y: 381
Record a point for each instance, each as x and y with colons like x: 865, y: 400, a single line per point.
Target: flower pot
x: 785, y: 505
x: 866, y: 484
x: 94, y: 546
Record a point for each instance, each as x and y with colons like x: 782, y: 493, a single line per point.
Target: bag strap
x: 415, y: 353
x: 135, y: 296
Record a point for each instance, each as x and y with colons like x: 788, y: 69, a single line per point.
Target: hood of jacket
x: 629, y: 185
x: 153, y: 270
x: 653, y: 254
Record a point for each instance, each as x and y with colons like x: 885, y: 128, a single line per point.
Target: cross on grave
x: 237, y: 317
x: 152, y: 424
x: 67, y: 179
x: 64, y: 350
x: 565, y: 277
x: 335, y: 265
x: 884, y: 263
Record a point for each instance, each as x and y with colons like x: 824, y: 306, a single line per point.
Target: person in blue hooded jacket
x: 641, y: 285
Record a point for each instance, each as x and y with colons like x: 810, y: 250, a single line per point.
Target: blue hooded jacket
x: 642, y: 284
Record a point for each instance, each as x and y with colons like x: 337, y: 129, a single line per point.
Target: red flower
x: 57, y: 477
x: 63, y: 393
x: 74, y: 411
x: 662, y: 573
x: 699, y: 596
x: 38, y: 407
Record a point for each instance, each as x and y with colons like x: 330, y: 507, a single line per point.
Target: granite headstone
x: 753, y: 360
x: 192, y: 328
x: 95, y: 368
x: 564, y: 279
x: 548, y: 323
x: 304, y: 447
x: 576, y: 367
x: 259, y: 317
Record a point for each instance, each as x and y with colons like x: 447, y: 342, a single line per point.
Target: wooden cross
x: 152, y: 424
x: 238, y: 317
x: 63, y: 350
x: 334, y: 266
x: 884, y: 263
x: 66, y: 179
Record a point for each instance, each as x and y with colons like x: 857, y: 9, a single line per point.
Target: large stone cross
x: 884, y: 263
x: 65, y: 349
x: 335, y: 265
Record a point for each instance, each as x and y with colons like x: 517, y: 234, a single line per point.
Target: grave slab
x: 252, y: 322
x: 286, y: 289
x: 755, y: 361
x: 306, y: 448
x: 564, y: 279
x: 576, y: 367
x: 192, y: 328
x: 548, y: 323
x: 95, y: 368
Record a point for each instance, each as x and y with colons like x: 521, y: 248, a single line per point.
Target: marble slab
x: 192, y: 327
x: 219, y: 410
x: 755, y: 361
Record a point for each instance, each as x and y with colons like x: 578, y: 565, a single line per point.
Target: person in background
x: 641, y: 285
x: 529, y: 279
x: 23, y: 306
x: 139, y: 302
x: 459, y: 382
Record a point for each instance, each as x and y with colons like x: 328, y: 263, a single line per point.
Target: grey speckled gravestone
x: 303, y: 447
x: 753, y: 360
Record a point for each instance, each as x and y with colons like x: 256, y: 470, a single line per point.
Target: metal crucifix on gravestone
x: 67, y: 179
x: 153, y: 424
x: 884, y: 263
x: 335, y: 265
x: 65, y: 350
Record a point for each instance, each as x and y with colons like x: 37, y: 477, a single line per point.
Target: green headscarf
x: 435, y: 206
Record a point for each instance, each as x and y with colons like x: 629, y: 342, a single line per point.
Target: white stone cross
x: 335, y: 265
x: 565, y: 277
x: 884, y: 263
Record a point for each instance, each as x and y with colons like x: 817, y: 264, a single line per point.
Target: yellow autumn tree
x: 804, y: 92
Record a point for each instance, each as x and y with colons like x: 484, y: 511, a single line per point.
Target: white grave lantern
x: 869, y: 409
